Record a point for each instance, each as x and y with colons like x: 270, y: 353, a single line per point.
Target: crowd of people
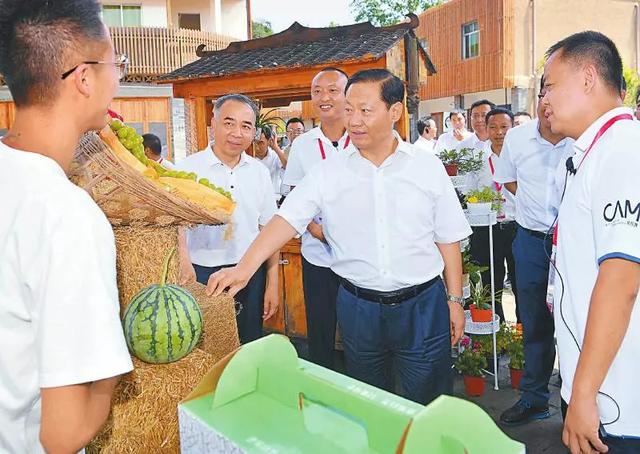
x: 381, y: 227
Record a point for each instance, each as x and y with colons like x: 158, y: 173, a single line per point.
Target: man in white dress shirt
x: 598, y: 246
x: 480, y: 136
x: 392, y: 218
x: 498, y: 122
x: 60, y: 327
x: 530, y: 156
x: 206, y: 249
x: 428, y: 130
x: 458, y: 132
x: 310, y: 149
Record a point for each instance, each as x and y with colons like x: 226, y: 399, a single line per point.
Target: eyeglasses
x: 121, y: 63
x: 295, y: 132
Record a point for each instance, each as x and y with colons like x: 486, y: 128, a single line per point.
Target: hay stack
x: 144, y: 415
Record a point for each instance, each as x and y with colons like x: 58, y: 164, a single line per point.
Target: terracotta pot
x: 516, y: 376
x: 452, y: 169
x: 480, y: 315
x: 473, y: 386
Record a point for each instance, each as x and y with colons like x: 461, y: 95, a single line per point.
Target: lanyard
x: 493, y: 172
x: 323, y: 154
x: 605, y: 127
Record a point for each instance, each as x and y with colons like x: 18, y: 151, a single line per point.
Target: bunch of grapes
x: 219, y: 190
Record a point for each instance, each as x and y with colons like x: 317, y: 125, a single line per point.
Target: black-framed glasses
x: 121, y: 63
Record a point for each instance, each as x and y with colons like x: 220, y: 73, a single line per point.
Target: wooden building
x: 278, y: 70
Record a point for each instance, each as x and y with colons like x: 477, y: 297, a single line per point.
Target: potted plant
x: 516, y: 358
x: 451, y: 160
x: 481, y: 201
x: 480, y: 307
x: 469, y: 161
x: 470, y: 364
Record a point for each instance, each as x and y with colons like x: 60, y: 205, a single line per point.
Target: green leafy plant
x: 466, y: 160
x: 515, y: 349
x: 449, y: 157
x: 471, y: 362
x: 485, y: 195
x: 388, y: 12
x: 481, y: 296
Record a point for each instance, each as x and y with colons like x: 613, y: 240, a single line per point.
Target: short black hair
x: 596, y: 48
x: 456, y: 112
x: 329, y: 69
x: 39, y: 41
x: 499, y: 111
x: 423, y: 124
x: 152, y: 142
x: 541, y: 83
x: 294, y: 120
x: 522, y: 113
x: 391, y: 87
x: 267, y: 131
x: 483, y: 102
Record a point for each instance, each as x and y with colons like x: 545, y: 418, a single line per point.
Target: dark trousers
x: 532, y: 274
x: 616, y: 445
x: 413, y: 336
x: 503, y: 236
x: 320, y: 289
x: 249, y: 318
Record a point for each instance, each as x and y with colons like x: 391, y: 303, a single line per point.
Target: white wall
x: 202, y: 7
x: 154, y: 12
x: 234, y: 19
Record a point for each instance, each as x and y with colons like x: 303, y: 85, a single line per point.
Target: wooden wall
x: 442, y: 28
x: 145, y: 114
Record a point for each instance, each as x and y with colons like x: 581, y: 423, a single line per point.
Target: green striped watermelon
x: 163, y: 322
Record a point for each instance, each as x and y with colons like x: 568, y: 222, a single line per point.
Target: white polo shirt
x: 382, y: 223
x: 59, y: 311
x: 272, y: 162
x: 447, y: 141
x: 166, y: 164
x: 425, y: 145
x: 486, y: 178
x: 305, y: 154
x: 250, y: 184
x: 532, y: 162
x: 600, y: 219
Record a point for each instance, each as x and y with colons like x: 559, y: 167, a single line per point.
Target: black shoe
x: 522, y: 412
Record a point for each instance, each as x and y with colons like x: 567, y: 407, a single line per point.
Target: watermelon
x: 163, y: 322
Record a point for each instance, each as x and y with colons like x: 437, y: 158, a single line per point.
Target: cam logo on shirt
x: 622, y: 213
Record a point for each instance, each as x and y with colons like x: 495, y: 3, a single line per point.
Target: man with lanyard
x: 311, y: 148
x: 392, y: 218
x: 498, y: 122
x: 64, y: 349
x: 476, y: 142
x: 427, y: 131
x: 530, y: 156
x: 206, y: 249
x: 451, y: 139
x: 598, y: 246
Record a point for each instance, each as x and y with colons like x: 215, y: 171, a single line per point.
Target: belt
x: 392, y: 297
x: 535, y: 233
x: 506, y: 225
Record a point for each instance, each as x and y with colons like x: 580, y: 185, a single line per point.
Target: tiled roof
x: 299, y: 46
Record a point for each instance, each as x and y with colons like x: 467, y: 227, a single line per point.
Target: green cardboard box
x: 264, y: 399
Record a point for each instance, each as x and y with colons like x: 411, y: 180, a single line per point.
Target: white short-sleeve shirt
x: 425, y: 144
x: 250, y: 185
x: 272, y: 162
x: 600, y: 219
x: 59, y: 312
x: 532, y: 162
x: 382, y: 223
x: 306, y: 153
x: 447, y: 141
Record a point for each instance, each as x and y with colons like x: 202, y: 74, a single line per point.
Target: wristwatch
x: 456, y: 299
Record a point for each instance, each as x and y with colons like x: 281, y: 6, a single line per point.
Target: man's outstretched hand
x: 231, y: 279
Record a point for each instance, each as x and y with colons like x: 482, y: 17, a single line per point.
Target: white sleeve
x: 506, y: 171
x: 440, y: 144
x: 450, y: 222
x: 294, y: 172
x: 268, y: 205
x: 77, y: 325
x: 305, y: 201
x: 615, y: 206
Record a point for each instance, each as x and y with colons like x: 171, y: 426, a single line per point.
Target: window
x: 190, y: 21
x: 470, y: 40
x: 122, y: 15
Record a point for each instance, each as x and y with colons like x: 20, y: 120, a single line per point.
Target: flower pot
x: 479, y: 208
x: 473, y: 386
x: 452, y: 169
x: 480, y: 315
x: 516, y: 376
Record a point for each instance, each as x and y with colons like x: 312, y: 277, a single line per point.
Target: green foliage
x: 633, y: 83
x: 464, y: 158
x: 388, y: 12
x: 471, y: 362
x: 268, y: 119
x: 481, y: 296
x: 472, y: 269
x: 261, y: 29
x: 333, y: 24
x: 485, y: 195
x: 515, y: 348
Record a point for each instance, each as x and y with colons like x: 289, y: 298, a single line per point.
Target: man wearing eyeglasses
x: 59, y: 310
x: 295, y: 128
x: 530, y: 158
